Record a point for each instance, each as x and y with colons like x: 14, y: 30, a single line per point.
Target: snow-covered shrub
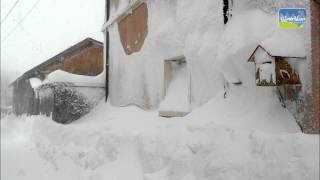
x: 69, y: 104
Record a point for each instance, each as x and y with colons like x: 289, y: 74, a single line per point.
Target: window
x: 227, y: 4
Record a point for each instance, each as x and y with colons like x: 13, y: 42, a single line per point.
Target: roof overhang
x: 124, y: 13
x: 34, y: 72
x: 272, y: 55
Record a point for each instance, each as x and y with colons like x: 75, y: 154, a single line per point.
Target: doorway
x: 176, y: 88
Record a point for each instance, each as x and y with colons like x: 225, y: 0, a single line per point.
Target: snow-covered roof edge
x: 77, y: 80
x: 250, y: 59
x: 29, y: 73
x: 289, y: 43
x: 122, y: 14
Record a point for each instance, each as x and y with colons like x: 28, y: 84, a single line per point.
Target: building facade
x: 215, y: 38
x: 143, y: 34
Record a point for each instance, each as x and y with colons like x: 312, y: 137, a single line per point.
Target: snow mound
x: 128, y: 143
x: 77, y: 80
x: 285, y: 43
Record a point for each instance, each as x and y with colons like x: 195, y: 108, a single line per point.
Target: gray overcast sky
x: 51, y: 27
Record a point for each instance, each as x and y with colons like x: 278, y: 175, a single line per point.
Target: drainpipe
x: 107, y: 49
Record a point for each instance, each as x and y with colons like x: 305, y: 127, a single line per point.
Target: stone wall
x: 87, y: 62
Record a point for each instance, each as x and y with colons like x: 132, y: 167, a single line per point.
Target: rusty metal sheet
x: 133, y: 29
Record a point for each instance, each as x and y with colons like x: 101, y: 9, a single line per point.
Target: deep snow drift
x: 243, y: 132
x: 129, y: 143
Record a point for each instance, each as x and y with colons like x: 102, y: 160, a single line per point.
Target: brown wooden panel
x: 285, y: 74
x: 264, y: 82
x: 133, y: 29
x: 87, y: 62
x: 53, y: 66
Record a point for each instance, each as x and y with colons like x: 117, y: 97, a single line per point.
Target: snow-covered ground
x: 236, y: 132
x: 221, y: 140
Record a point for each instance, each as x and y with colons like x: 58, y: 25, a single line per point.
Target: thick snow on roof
x: 242, y: 35
x: 78, y: 80
x: 35, y: 82
x: 285, y: 42
x: 124, y: 8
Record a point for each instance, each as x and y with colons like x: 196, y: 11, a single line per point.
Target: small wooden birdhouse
x: 277, y: 63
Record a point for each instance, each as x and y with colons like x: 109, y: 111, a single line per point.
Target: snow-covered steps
x: 176, y: 102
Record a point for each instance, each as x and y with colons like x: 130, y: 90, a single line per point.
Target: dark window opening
x: 226, y: 10
x: 267, y: 62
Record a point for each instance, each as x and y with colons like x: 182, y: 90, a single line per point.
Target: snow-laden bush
x: 68, y: 103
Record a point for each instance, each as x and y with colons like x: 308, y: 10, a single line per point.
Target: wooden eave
x: 32, y: 72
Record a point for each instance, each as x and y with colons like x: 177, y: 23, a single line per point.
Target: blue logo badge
x: 292, y: 18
